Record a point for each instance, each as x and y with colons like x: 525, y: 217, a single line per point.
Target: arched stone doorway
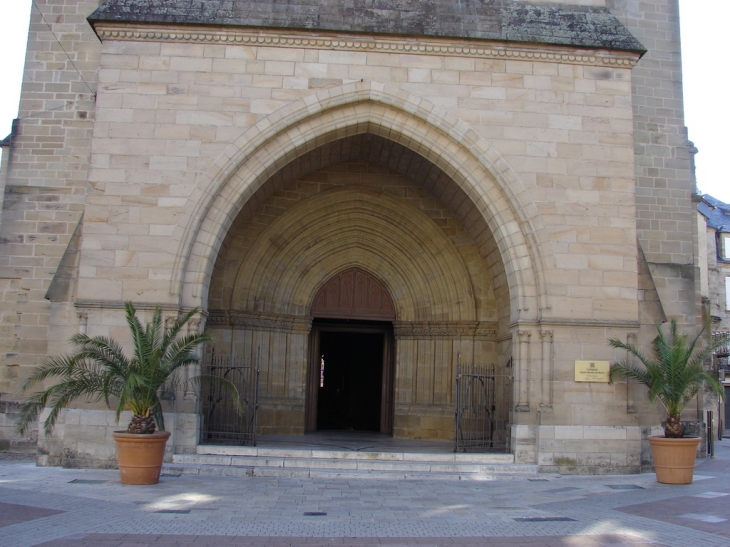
x: 361, y: 204
x: 470, y: 300
x: 350, y: 376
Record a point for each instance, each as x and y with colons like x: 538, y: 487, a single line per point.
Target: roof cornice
x: 380, y: 44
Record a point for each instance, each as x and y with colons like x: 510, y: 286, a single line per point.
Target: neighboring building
x: 715, y: 240
x: 503, y: 182
x: 714, y: 246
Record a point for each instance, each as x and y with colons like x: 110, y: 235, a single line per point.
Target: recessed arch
x: 366, y: 107
x: 355, y: 228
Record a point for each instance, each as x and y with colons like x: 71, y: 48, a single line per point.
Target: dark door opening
x: 351, y: 378
x: 354, y: 392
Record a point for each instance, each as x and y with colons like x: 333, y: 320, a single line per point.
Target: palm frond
x: 227, y: 385
x: 98, y: 369
x: 675, y: 373
x: 624, y: 369
x: 184, y: 347
x: 618, y: 344
x: 84, y: 380
x: 180, y: 323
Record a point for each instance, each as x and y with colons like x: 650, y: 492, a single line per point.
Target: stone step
x: 414, y: 466
x: 290, y: 472
x: 417, y: 466
x: 444, y: 457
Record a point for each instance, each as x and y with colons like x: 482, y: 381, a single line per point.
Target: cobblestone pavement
x: 57, y: 507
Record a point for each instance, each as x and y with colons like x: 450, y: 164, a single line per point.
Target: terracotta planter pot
x: 140, y: 456
x: 674, y: 459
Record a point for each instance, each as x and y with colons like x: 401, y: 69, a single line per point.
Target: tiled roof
x: 717, y: 213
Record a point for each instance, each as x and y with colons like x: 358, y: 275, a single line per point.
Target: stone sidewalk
x: 57, y: 507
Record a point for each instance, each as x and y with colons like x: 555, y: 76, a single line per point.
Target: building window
x: 727, y: 293
x: 723, y: 246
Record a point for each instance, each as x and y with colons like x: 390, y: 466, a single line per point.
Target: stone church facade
x: 494, y: 182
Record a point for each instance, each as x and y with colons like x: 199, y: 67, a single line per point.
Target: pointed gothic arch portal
x: 350, y: 376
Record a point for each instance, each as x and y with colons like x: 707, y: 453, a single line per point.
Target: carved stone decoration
x: 83, y: 321
x: 193, y: 325
x: 354, y: 294
x: 219, y: 318
x: 413, y: 45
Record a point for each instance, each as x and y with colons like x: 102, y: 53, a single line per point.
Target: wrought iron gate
x: 483, y: 408
x: 223, y: 422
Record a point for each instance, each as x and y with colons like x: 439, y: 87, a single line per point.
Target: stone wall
x: 45, y: 177
x: 664, y: 183
x: 532, y: 114
x: 540, y: 167
x: 716, y: 272
x: 668, y: 235
x: 83, y: 438
x: 589, y: 449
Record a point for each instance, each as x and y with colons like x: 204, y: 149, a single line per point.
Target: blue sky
x: 706, y: 81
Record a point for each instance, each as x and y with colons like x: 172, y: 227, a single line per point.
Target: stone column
x: 546, y: 389
x: 523, y: 371
x: 630, y: 405
x: 194, y: 326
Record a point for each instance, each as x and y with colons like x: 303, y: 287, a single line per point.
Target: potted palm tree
x: 99, y: 370
x: 673, y: 375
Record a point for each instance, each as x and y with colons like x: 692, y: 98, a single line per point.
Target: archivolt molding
x: 454, y: 330
x: 422, y: 271
x: 363, y: 107
x: 380, y: 44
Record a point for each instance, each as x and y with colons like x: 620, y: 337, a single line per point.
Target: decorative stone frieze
x: 418, y: 46
x: 249, y: 320
x: 446, y: 329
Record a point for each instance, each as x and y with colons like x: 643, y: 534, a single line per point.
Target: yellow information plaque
x: 592, y: 371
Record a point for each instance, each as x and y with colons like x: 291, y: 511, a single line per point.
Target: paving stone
x: 11, y: 513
